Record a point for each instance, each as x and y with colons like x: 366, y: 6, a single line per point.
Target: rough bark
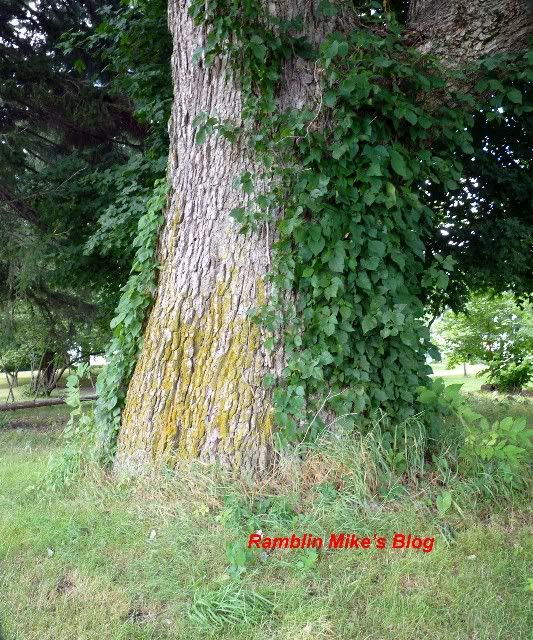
x: 196, y: 391
x: 197, y: 388
x: 461, y: 31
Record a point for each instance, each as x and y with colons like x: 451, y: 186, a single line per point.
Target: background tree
x: 47, y: 343
x: 493, y: 330
x: 84, y: 100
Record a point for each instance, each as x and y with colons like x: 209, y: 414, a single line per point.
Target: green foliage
x: 486, y: 224
x: 78, y: 438
x: 500, y: 451
x: 15, y: 358
x: 352, y: 247
x: 510, y: 375
x: 443, y: 502
x: 495, y: 330
x: 491, y: 327
x: 134, y: 44
x: 43, y: 339
x: 491, y: 454
x: 127, y: 325
x: 84, y: 113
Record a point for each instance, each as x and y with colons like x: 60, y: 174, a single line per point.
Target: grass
x: 471, y: 382
x: 134, y: 560
x: 24, y: 378
x: 455, y: 375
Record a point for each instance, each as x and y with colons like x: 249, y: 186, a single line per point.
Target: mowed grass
x: 21, y: 391
x: 471, y: 382
x: 109, y: 560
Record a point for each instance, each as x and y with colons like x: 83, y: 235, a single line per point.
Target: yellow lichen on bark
x: 206, y: 388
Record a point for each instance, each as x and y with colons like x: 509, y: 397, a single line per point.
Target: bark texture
x: 197, y: 388
x: 462, y: 31
x: 196, y: 391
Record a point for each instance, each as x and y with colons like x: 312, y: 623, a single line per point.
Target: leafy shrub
x: 500, y: 450
x: 510, y: 375
x: 481, y: 450
x: 78, y: 437
x: 445, y: 412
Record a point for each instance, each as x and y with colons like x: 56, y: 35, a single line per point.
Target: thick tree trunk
x: 196, y: 391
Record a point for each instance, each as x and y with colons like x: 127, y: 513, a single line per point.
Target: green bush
x: 500, y: 450
x: 491, y: 454
x: 510, y: 375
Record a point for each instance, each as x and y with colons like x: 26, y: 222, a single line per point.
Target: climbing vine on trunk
x: 347, y: 178
x: 127, y: 325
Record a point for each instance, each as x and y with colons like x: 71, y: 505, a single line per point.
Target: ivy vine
x: 127, y: 325
x: 351, y: 175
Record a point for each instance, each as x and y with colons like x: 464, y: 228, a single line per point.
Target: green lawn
x: 124, y: 561
x: 24, y: 378
x: 455, y: 375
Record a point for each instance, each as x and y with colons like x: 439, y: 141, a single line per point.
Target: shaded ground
x: 39, y: 418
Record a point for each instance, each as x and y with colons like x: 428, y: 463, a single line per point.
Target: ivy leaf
x: 336, y: 262
x: 327, y: 8
x: 515, y: 96
x: 258, y: 48
x: 238, y: 214
x: 371, y: 264
x: 368, y: 323
x: 410, y: 116
x: 334, y: 47
x: 442, y: 280
x: 363, y: 281
x: 374, y: 170
x: 316, y: 244
x: 197, y: 55
x: 377, y: 248
x: 339, y: 150
x: 201, y: 135
x: 330, y: 98
x: 398, y: 163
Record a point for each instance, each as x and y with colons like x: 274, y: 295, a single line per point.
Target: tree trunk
x: 48, y: 402
x: 46, y: 376
x: 196, y: 390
